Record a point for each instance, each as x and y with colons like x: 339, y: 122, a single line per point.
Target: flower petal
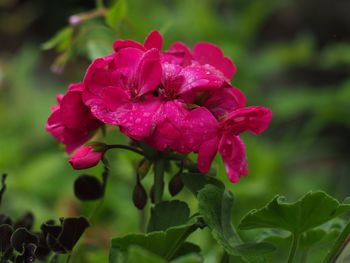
x: 224, y: 100
x: 150, y: 72
x: 233, y: 153
x: 199, y: 126
x: 253, y: 118
x: 206, y: 154
x: 207, y: 53
x: 154, y: 40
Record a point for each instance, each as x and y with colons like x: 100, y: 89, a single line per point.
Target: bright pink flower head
x: 71, y: 122
x: 85, y: 157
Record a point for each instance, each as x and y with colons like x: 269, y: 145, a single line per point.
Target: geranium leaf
x: 313, y: 209
x: 116, y: 13
x: 168, y: 214
x: 138, y: 254
x: 196, y: 181
x: 215, y: 205
x: 162, y: 243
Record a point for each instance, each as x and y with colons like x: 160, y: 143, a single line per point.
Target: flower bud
x: 143, y: 168
x: 139, y: 196
x: 85, y: 157
x: 175, y: 184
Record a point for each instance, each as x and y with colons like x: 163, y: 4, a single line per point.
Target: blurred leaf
x: 60, y: 41
x: 168, y: 214
x: 295, y: 217
x: 190, y: 258
x: 116, y: 13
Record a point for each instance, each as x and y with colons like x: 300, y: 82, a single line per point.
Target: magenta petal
x: 206, y: 154
x: 200, y: 78
x: 199, y: 126
x: 168, y: 132
x: 150, y: 72
x: 74, y: 113
x: 224, y: 100
x: 178, y: 54
x: 128, y: 58
x: 207, y: 53
x: 138, y: 121
x: 253, y: 118
x: 154, y: 40
x: 111, y: 106
x: 120, y: 44
x: 233, y: 153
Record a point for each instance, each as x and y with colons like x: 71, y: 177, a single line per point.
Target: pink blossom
x: 85, y: 157
x: 119, y: 90
x: 205, y: 135
x: 71, y: 122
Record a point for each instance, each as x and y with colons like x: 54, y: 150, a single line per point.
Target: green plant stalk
x: 338, y: 245
x: 125, y: 147
x: 293, y: 249
x: 158, y: 185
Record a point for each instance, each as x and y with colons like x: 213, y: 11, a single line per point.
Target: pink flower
x: 176, y: 83
x: 71, y: 122
x: 205, y: 135
x: 119, y: 90
x: 85, y: 157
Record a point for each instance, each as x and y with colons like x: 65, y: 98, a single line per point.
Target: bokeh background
x: 292, y: 56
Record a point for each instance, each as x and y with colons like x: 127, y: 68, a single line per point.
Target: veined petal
x: 253, y: 118
x: 233, y: 153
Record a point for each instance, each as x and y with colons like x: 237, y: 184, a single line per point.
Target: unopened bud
x: 139, y: 196
x: 175, y: 184
x: 143, y: 168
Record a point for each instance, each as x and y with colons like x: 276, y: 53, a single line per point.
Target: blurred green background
x: 292, y: 56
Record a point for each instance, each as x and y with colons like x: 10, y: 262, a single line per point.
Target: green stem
x: 125, y: 147
x: 158, y: 186
x: 179, y: 241
x: 293, y: 249
x: 68, y: 258
x: 338, y: 245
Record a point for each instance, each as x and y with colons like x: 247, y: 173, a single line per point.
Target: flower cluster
x: 179, y: 99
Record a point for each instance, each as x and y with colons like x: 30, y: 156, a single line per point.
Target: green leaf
x: 168, y: 214
x: 313, y: 209
x: 190, y: 258
x: 164, y: 244
x: 196, y: 181
x: 60, y: 41
x: 215, y: 205
x: 138, y: 254
x: 116, y: 13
